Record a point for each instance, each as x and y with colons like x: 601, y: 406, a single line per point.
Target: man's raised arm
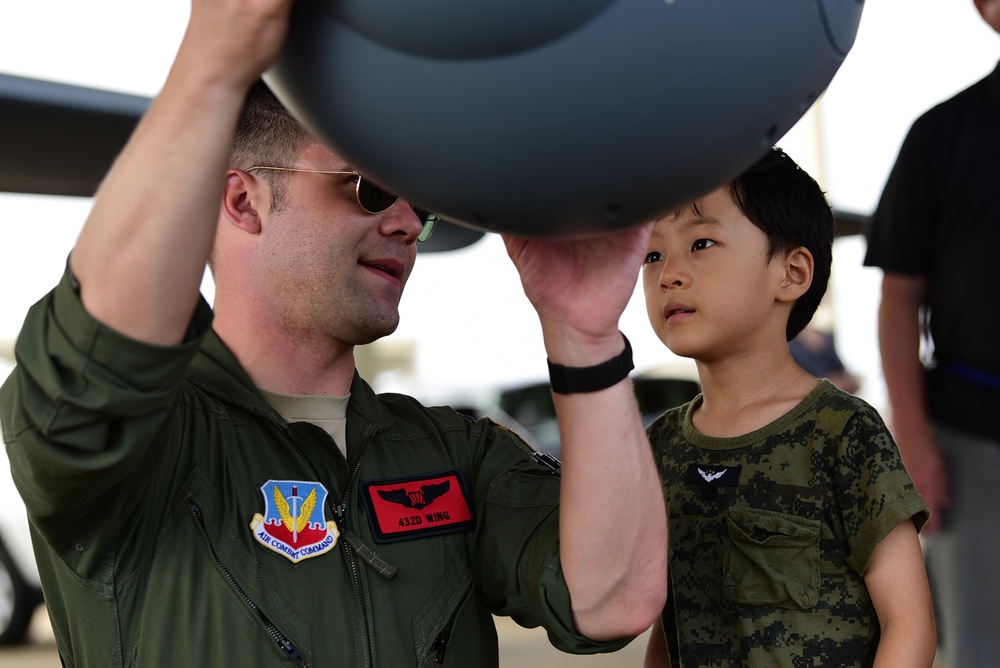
x: 612, y: 525
x: 142, y: 252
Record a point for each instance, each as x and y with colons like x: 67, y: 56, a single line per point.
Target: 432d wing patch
x: 425, y: 505
x: 294, y: 524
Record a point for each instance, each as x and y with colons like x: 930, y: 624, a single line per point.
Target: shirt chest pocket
x: 771, y: 559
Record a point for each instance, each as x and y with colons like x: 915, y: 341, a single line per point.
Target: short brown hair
x: 267, y: 134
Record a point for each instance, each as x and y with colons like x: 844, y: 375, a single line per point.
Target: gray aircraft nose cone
x: 562, y: 116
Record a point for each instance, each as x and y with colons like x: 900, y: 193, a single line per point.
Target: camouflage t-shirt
x: 771, y: 532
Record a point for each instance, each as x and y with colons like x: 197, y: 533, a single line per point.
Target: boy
x: 792, y: 522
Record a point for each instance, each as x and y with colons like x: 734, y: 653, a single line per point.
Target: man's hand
x: 580, y: 287
x: 235, y: 40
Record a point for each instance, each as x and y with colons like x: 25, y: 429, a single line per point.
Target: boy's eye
x: 653, y: 256
x: 702, y: 244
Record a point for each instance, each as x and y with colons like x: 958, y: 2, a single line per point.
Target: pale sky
x: 464, y: 311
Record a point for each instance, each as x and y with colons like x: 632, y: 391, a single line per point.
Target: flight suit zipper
x: 340, y: 510
x: 352, y: 546
x: 284, y: 644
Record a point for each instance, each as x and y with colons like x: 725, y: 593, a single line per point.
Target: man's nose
x: 400, y: 220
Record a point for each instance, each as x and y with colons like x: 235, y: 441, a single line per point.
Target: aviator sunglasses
x: 371, y: 198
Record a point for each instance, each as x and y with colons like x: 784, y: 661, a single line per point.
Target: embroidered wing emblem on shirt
x: 293, y: 523
x: 709, y: 477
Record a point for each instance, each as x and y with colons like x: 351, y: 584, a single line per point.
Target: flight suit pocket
x: 771, y: 559
x: 434, y: 624
x: 232, y: 567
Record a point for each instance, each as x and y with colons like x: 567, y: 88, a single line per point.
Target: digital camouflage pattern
x: 770, y: 534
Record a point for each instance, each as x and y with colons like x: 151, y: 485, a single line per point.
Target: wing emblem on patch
x: 416, y: 499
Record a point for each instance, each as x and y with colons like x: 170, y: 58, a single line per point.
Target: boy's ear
x: 797, y: 274
x: 241, y: 198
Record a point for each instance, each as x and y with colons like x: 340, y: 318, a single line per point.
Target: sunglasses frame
x: 427, y: 219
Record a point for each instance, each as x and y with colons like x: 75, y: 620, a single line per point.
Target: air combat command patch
x: 294, y: 524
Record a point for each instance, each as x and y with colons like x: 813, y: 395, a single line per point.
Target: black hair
x: 790, y: 208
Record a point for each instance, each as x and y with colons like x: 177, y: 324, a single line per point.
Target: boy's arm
x: 897, y: 581
x: 656, y: 648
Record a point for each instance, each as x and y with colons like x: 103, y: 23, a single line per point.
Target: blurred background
x: 467, y: 333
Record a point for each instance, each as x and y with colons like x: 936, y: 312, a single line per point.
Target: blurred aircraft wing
x: 58, y: 139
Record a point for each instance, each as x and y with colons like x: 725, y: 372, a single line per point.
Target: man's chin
x: 373, y: 331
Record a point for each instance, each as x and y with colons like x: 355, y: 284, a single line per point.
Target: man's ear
x: 242, y: 196
x: 797, y: 274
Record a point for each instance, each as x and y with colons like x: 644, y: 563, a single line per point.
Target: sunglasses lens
x: 372, y: 198
x: 375, y: 200
x: 429, y: 220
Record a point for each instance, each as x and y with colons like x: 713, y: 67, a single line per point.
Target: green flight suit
x: 147, y: 470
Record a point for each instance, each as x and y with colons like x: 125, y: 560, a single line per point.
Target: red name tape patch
x: 408, y: 508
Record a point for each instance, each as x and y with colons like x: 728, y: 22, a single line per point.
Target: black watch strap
x: 579, y: 379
